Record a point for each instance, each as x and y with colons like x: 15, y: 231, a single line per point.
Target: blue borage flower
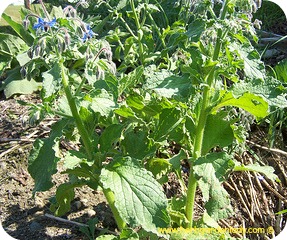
x: 44, y: 25
x: 88, y: 34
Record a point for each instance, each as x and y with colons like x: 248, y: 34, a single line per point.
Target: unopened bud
x: 84, y: 4
x: 30, y: 53
x: 67, y: 39
x: 23, y: 72
x: 42, y: 43
x: 37, y: 50
x: 26, y: 23
x: 257, y: 24
x: 108, y: 54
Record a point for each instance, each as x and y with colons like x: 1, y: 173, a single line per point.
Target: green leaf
x: 195, y: 30
x: 253, y: 66
x: 159, y: 168
x: 137, y: 144
x: 11, y: 45
x: 167, y: 85
x: 270, y: 90
x: 218, y: 132
x: 131, y: 79
x: 169, y: 119
x: 110, y: 136
x: 250, y: 102
x: 281, y: 71
x: 64, y: 195
x: 19, y: 29
x: 73, y: 158
x: 14, y: 84
x: 210, y: 171
x: 281, y: 212
x: 268, y: 171
x: 102, y: 105
x: 138, y: 196
x: 51, y: 80
x: 42, y: 162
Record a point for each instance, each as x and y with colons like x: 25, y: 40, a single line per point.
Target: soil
x: 21, y: 215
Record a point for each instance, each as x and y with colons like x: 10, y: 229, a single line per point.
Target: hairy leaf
x: 64, y: 195
x: 218, y: 132
x: 51, y: 81
x: 138, y: 196
x: 169, y: 119
x: 250, y: 102
x: 270, y: 90
x: 210, y: 171
x: 110, y: 136
x: 19, y: 29
x: 268, y: 171
x: 44, y: 157
x: 137, y: 144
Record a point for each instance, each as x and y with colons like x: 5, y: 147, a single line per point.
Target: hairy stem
x: 111, y: 200
x: 79, y: 123
x: 139, y: 30
x: 200, y: 125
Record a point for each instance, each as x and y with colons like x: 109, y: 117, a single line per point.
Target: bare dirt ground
x: 255, y: 201
x: 22, y: 216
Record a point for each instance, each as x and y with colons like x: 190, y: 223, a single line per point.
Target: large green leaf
x: 15, y: 84
x: 218, y: 132
x: 250, y: 102
x: 10, y: 46
x: 51, y: 80
x: 210, y: 171
x: 137, y: 144
x: 167, y: 85
x: 44, y: 157
x: 138, y: 196
x: 110, y: 136
x: 271, y: 90
x: 19, y: 29
x: 281, y: 71
x: 169, y: 119
x: 195, y: 30
x: 253, y: 66
x: 268, y: 171
x: 64, y: 195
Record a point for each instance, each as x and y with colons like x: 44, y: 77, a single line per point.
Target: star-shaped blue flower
x: 44, y: 25
x: 88, y: 33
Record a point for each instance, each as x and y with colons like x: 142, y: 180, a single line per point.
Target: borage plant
x: 80, y: 87
x: 130, y: 129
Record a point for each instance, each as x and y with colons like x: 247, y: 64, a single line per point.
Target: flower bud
x: 23, y: 72
x: 26, y: 23
x: 37, y: 50
x: 67, y: 39
x: 84, y: 4
x: 257, y: 24
x: 30, y: 53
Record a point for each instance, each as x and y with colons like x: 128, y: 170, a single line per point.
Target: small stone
x: 91, y: 213
x: 78, y: 204
x: 34, y: 226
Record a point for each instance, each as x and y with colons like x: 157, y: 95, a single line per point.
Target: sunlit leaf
x: 138, y: 196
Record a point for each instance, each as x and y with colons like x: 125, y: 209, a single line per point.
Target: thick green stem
x: 111, y: 200
x: 200, y: 125
x: 79, y: 123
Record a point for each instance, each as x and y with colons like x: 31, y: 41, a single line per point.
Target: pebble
x: 34, y: 226
x: 78, y: 204
x: 91, y: 213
